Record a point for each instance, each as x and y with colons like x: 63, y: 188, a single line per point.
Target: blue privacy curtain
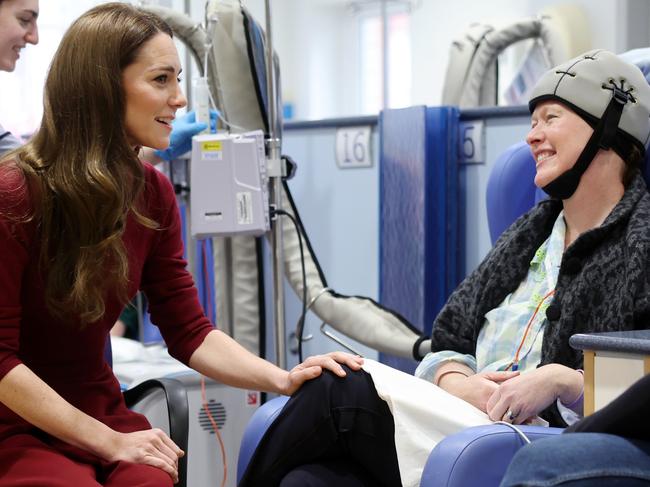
x: 419, y: 218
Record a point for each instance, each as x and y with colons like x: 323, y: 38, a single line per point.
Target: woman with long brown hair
x: 84, y: 225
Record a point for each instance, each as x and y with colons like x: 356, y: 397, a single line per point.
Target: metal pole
x: 275, y: 171
x: 188, y: 60
x: 191, y: 243
x: 270, y: 77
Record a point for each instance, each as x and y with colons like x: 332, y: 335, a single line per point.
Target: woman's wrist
x: 105, y: 442
x: 284, y: 384
x: 573, y: 390
x: 448, y: 370
x: 450, y: 380
x: 449, y: 376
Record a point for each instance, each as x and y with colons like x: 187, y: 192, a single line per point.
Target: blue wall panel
x: 419, y: 219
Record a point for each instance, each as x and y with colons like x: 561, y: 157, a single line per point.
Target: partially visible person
x: 611, y: 447
x: 84, y: 225
x: 17, y: 29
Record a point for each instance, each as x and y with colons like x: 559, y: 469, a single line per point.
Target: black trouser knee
x: 329, y: 418
x: 329, y: 473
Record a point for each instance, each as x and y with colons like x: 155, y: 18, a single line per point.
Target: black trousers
x: 332, y: 432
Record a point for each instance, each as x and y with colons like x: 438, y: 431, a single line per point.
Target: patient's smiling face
x: 556, y: 138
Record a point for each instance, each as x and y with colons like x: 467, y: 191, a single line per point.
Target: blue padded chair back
x: 511, y: 190
x: 257, y: 426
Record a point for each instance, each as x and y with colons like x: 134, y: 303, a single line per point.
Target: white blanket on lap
x: 424, y: 414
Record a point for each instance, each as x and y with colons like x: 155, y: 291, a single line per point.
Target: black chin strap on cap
x: 603, y: 137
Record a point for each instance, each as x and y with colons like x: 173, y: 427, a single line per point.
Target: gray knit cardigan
x: 603, y: 284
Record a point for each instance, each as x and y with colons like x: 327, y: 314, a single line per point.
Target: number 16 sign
x: 353, y: 147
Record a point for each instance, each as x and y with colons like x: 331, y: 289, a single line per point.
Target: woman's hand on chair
x: 313, y: 366
x: 150, y: 447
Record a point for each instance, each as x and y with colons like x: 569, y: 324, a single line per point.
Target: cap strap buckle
x: 612, y: 115
x: 620, y: 96
x: 619, y: 93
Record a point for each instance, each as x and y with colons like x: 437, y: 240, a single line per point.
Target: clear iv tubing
x: 231, y: 125
x: 205, y: 59
x: 208, y: 46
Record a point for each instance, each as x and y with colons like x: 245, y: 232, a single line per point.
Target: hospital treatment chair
x: 477, y: 456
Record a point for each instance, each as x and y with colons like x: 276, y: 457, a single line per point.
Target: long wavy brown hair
x: 83, y: 174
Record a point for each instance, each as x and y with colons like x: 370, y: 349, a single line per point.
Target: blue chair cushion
x: 477, y: 456
x: 257, y: 426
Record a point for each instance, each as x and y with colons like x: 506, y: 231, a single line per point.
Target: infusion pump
x: 229, y: 190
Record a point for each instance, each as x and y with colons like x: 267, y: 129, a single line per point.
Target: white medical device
x: 228, y: 177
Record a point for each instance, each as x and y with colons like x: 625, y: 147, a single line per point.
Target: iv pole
x: 276, y: 172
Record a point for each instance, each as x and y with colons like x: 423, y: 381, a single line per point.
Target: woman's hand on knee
x: 313, y: 366
x: 149, y: 447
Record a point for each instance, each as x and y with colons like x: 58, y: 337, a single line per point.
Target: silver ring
x: 511, y: 416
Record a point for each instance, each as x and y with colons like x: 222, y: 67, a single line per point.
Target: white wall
x: 318, y: 45
x: 605, y: 18
x: 317, y: 41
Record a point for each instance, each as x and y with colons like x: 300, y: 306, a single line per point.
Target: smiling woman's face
x: 153, y: 93
x: 17, y: 29
x: 556, y: 139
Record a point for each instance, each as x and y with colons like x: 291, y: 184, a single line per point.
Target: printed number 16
x: 358, y: 149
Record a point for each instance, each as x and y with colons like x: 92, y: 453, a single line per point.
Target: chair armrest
x: 177, y: 412
x: 477, y: 456
x: 255, y: 429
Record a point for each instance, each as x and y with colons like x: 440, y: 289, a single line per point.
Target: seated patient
x: 577, y: 262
